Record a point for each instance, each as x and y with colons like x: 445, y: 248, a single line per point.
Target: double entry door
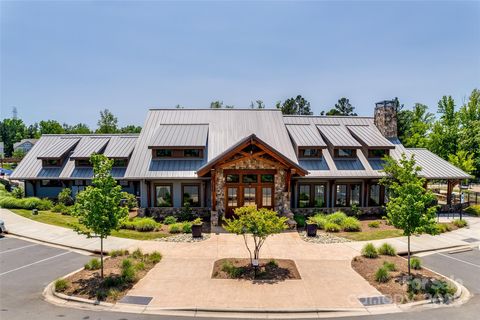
x: 248, y: 189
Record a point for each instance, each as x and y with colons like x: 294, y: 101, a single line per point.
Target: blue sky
x: 67, y: 60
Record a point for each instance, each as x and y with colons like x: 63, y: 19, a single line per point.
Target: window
x: 374, y: 195
x: 312, y: 195
x: 304, y: 196
x: 233, y: 178
x: 341, y: 195
x: 163, y: 195
x: 52, y: 183
x: 232, y: 197
x: 377, y: 153
x: 120, y: 162
x: 192, y: 153
x: 191, y: 195
x: 249, y: 178
x: 79, y: 182
x: 267, y: 178
x: 123, y: 183
x: 83, y: 163
x: 52, y: 162
x: 163, y: 153
x: 344, y: 153
x: 249, y: 196
x: 267, y: 197
x: 319, y: 195
x: 355, y: 194
x: 310, y: 153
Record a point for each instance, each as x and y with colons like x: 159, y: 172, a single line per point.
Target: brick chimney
x: 385, y: 118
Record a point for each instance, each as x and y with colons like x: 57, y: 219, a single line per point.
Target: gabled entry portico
x: 250, y: 173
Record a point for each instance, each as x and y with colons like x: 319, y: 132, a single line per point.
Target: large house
x: 221, y: 159
x: 24, y: 145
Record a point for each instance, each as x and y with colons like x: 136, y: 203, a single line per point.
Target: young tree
x: 443, y: 139
x: 98, y: 207
x: 411, y: 207
x: 260, y: 223
x: 342, y: 108
x: 107, y: 122
x: 295, y: 106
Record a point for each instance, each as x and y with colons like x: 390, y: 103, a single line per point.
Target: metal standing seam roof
x: 225, y: 128
x: 338, y: 136
x: 89, y: 145
x: 370, y: 136
x: 120, y: 147
x: 305, y: 135
x: 58, y: 148
x: 180, y: 135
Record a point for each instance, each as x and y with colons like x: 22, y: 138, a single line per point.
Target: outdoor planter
x: 197, y: 230
x: 311, y: 229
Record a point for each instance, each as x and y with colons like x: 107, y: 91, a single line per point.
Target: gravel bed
x: 184, y: 237
x: 323, y: 238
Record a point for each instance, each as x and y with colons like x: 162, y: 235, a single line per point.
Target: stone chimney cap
x: 385, y: 103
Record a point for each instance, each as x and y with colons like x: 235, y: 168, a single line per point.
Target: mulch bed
x: 396, y: 287
x: 87, y: 283
x: 269, y: 269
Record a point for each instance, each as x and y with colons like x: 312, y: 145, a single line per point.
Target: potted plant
x: 311, y: 227
x: 197, y: 228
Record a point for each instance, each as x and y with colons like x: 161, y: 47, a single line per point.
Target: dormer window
x: 163, y: 153
x: 309, y: 153
x: 52, y: 162
x: 377, y: 153
x: 83, y: 163
x: 344, y: 153
x: 120, y: 163
x: 192, y: 153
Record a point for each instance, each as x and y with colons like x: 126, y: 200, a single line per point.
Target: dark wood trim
x: 371, y: 156
x: 46, y: 165
x: 249, y: 171
x: 301, y: 152
x: 157, y: 184
x: 177, y: 153
x: 198, y: 185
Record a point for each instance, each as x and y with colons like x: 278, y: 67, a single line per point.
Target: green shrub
x: 145, y: 224
x: 155, y: 257
x: 300, y: 220
x: 351, y: 224
x: 415, y: 263
x: 118, y: 253
x: 61, y: 285
x: 137, y: 254
x: 93, y: 264
x: 459, y: 223
x: 387, y: 250
x: 390, y: 266
x: 441, y: 228
x: 332, y: 227
x: 231, y: 270
x: 59, y: 207
x: 25, y: 203
x: 186, y: 227
x: 101, y: 294
x: 128, y: 271
x: 318, y: 219
x: 337, y: 217
x: 18, y: 192
x: 140, y: 266
x: 130, y: 201
x: 272, y: 263
x: 369, y: 251
x: 381, y: 275
x: 186, y: 213
x: 374, y: 224
x: 473, y: 210
x: 113, y: 294
x: 113, y: 281
x: 440, y: 288
x: 65, y: 197
x: 170, y: 220
x: 175, y: 227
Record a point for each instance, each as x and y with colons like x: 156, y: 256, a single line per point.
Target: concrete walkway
x: 183, y: 278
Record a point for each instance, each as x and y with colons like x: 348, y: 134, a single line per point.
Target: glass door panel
x: 249, y: 196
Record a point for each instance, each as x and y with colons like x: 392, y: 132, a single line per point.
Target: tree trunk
x: 408, y: 250
x: 101, y: 257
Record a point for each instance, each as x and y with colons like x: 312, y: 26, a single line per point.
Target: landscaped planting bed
x: 121, y: 271
x: 269, y: 269
x: 389, y: 275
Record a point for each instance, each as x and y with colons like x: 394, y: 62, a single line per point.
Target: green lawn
x: 70, y: 222
x: 372, y: 234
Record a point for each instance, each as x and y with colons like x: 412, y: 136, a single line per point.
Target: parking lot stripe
x: 466, y: 262
x: 15, y: 249
x: 33, y: 263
